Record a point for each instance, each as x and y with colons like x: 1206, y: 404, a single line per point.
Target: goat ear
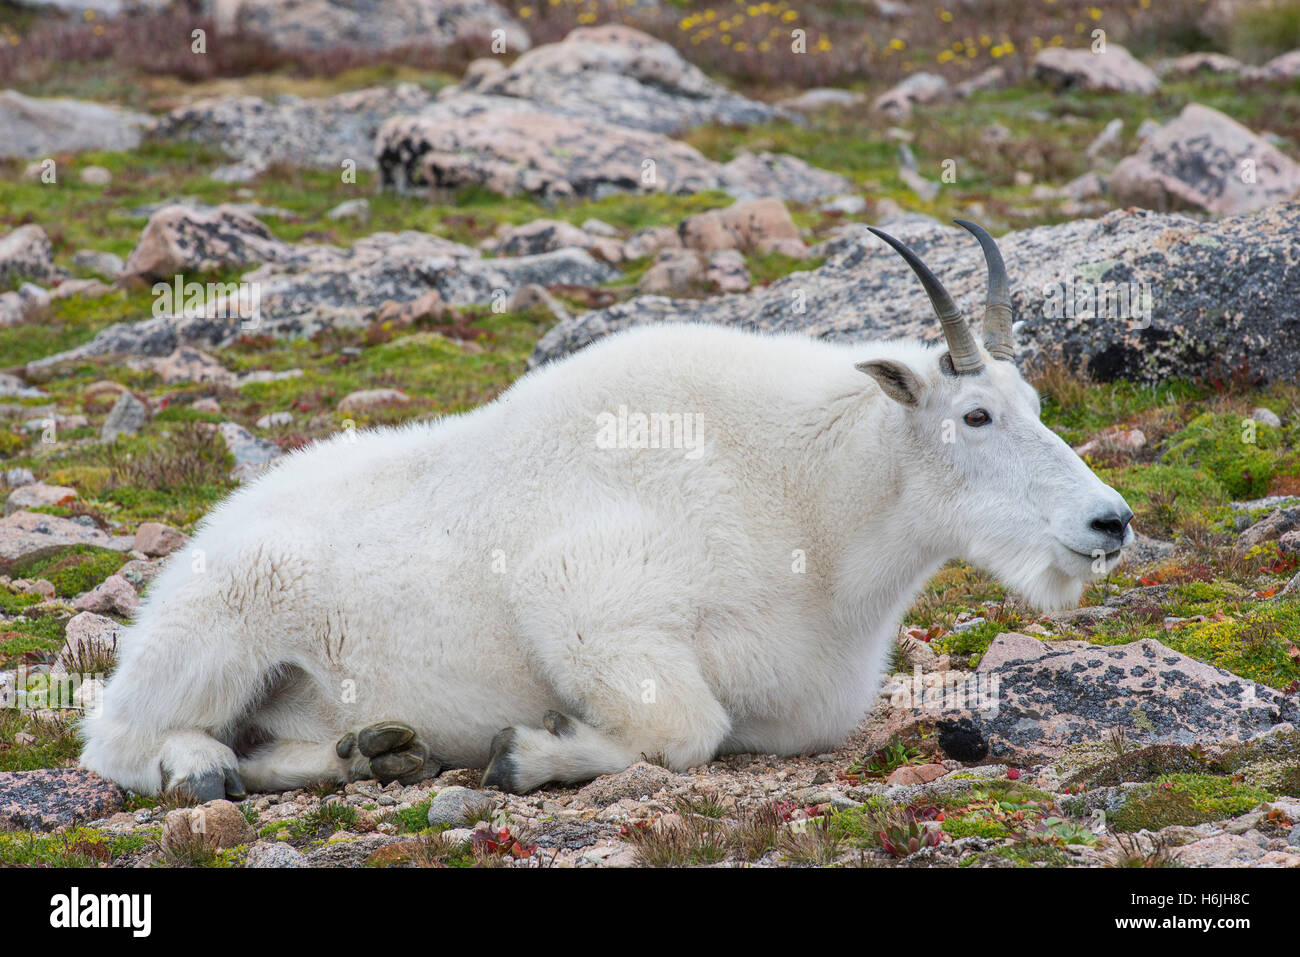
x: 897, y: 380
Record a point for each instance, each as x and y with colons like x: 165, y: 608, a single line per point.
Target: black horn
x: 997, y: 312
x: 962, y: 349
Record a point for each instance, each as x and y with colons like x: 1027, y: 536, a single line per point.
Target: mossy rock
x: 71, y: 570
x: 1140, y: 765
x: 1186, y: 799
x: 1271, y: 762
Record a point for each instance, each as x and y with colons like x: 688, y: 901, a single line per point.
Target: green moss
x: 11, y: 442
x: 1088, y: 410
x: 974, y: 641
x: 975, y: 825
x: 1186, y: 799
x: 414, y: 819
x: 858, y: 825
x: 40, y: 636
x: 73, y: 847
x: 14, y: 602
x: 72, y: 570
x: 986, y: 793
x: 1165, y: 496
x: 1251, y: 642
x: 1240, y: 454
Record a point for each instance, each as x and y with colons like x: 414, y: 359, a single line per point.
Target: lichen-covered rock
x: 548, y: 235
x: 252, y: 455
x: 1219, y: 294
x: 1284, y: 67
x: 1192, y: 63
x: 113, y: 595
x: 32, y: 127
x: 1031, y: 699
x: 324, y: 132
x: 1113, y: 70
x: 54, y: 798
x: 38, y: 495
x: 27, y: 253
x: 316, y: 288
x: 1207, y: 161
x: 1081, y: 691
x: 274, y: 854
x: 30, y: 303
x: 181, y: 239
x: 623, y: 76
x: 640, y: 780
x: 371, y: 398
x: 821, y: 98
x: 186, y: 364
x: 1270, y: 528
x: 460, y: 807
x: 33, y: 534
x: 372, y: 24
x: 676, y: 272
x: 513, y: 146
x: 760, y: 225
x: 897, y: 102
x: 216, y: 825
x: 757, y: 175
x: 156, y: 539
x: 127, y: 417
x: 516, y: 149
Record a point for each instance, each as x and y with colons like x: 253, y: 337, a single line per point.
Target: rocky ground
x: 210, y: 259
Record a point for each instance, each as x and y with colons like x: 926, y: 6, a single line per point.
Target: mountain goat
x: 681, y: 541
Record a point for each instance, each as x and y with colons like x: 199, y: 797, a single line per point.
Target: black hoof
x: 347, y: 744
x: 234, y: 785
x: 396, y: 765
x: 384, y: 736
x: 394, y: 751
x: 500, y: 772
x: 202, y: 788
x: 560, y: 725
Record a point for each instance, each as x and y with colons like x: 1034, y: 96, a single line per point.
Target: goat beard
x: 1036, y: 576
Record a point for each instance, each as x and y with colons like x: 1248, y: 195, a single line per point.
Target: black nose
x: 1113, y: 524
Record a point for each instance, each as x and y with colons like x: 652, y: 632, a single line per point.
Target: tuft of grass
x: 426, y: 850
x: 812, y: 844
x: 692, y: 841
x: 1132, y: 850
x: 326, y: 819
x: 757, y: 833
x: 56, y: 743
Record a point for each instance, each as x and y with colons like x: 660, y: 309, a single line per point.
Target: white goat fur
x: 469, y: 574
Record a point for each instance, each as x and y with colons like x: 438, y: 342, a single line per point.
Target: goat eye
x: 977, y: 418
